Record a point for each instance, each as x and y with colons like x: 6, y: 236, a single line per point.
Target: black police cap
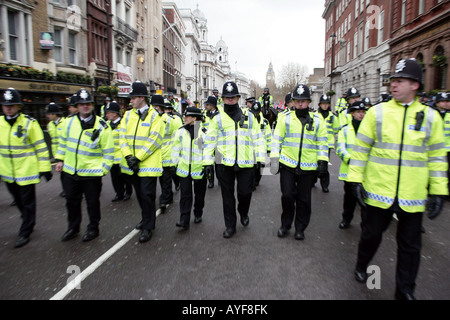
x: 138, y: 89
x: 230, y: 89
x: 193, y: 112
x: 53, y: 108
x: 83, y: 96
x: 113, y: 107
x: 212, y: 100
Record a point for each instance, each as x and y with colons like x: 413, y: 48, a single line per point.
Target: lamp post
x: 195, y: 66
x: 108, y: 39
x: 332, y: 36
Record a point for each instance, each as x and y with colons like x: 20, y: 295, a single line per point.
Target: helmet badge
x: 8, y: 95
x: 354, y: 90
x: 229, y: 87
x: 300, y: 90
x: 400, y: 66
x: 84, y: 94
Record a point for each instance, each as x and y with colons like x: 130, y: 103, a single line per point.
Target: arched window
x: 419, y: 59
x: 440, y: 68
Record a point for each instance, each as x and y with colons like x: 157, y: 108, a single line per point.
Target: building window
x: 366, y: 36
x: 380, y: 27
x: 403, y: 18
x: 72, y: 48
x: 13, y: 35
x: 421, y: 6
x: 57, y: 47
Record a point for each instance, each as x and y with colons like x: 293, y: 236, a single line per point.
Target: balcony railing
x: 124, y: 28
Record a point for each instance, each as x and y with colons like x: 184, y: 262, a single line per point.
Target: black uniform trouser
x: 374, y: 221
x: 145, y: 188
x: 257, y: 175
x: 186, y: 198
x: 325, y: 179
x: 244, y: 177
x: 165, y: 181
x: 295, y: 198
x: 349, y: 202
x: 120, y: 185
x: 75, y: 187
x: 25, y: 198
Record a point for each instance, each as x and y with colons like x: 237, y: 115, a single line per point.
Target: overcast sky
x: 258, y: 32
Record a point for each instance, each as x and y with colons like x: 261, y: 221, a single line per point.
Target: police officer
x: 443, y: 106
x: 352, y: 95
x: 367, y: 102
x: 325, y: 114
x: 187, y: 152
x: 239, y: 141
x: 249, y: 102
x: 346, y: 140
x: 399, y: 159
x: 141, y: 136
x: 85, y: 154
x: 104, y: 107
x: 71, y: 104
x: 266, y: 99
x: 54, y: 116
x: 122, y: 187
x: 384, y: 97
x: 219, y: 99
x: 299, y: 150
x: 171, y: 124
x: 211, y: 112
x: 288, y: 102
x: 341, y: 103
x: 24, y: 159
x: 266, y: 132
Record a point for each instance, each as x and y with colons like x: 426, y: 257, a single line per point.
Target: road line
x: 97, y: 263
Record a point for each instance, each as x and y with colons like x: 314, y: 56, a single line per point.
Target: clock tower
x: 270, y: 77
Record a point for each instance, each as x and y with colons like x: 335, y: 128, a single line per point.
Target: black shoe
x: 146, y: 235
x: 404, y: 296
x: 282, y: 232
x: 325, y: 190
x: 90, y: 235
x: 69, y: 234
x: 139, y: 226
x: 21, y: 241
x: 299, y: 235
x: 211, y: 184
x: 127, y: 197
x: 162, y: 209
x: 117, y: 198
x: 197, y: 219
x: 344, y: 224
x: 360, y: 275
x: 245, y: 220
x: 229, y: 232
x: 182, y: 225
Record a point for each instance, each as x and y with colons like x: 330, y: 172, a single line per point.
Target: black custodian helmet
x: 301, y: 92
x: 10, y: 96
x: 113, y: 107
x: 352, y: 93
x: 71, y: 101
x: 83, y: 96
x: 138, y: 89
x: 256, y: 107
x: 442, y: 96
x: 53, y: 108
x: 408, y: 68
x: 193, y: 112
x: 230, y: 89
x: 212, y: 100
x: 324, y: 99
x: 357, y: 105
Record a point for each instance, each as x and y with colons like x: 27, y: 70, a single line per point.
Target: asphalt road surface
x: 199, y: 264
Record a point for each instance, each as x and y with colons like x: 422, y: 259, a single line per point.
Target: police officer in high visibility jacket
x: 332, y: 122
x: 442, y: 104
x: 85, y: 154
x: 237, y: 141
x: 398, y: 161
x: 141, y: 136
x: 187, y: 155
x: 299, y: 150
x: 346, y: 140
x: 171, y: 124
x: 122, y: 187
x: 24, y: 159
x: 211, y: 112
x: 219, y: 99
x: 352, y: 95
x: 341, y: 103
x: 267, y: 136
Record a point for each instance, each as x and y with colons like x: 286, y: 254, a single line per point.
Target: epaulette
x: 29, y: 117
x: 103, y: 123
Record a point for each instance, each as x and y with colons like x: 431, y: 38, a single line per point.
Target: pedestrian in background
x: 24, y: 159
x: 85, y: 154
x: 399, y: 166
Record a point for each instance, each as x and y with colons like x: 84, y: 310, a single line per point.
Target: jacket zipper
x: 400, y: 155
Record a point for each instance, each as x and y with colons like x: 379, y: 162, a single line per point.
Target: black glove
x: 133, y: 163
x: 434, y: 206
x: 322, y: 168
x: 208, y: 171
x: 359, y: 193
x: 47, y: 175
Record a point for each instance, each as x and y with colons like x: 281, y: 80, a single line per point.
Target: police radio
x: 419, y: 119
x: 19, y: 132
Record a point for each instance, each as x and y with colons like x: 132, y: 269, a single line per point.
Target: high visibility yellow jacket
x: 23, y: 151
x: 447, y: 130
x: 141, y: 136
x: 54, y: 131
x: 393, y: 159
x: 115, y: 131
x: 270, y: 99
x: 341, y: 103
x: 171, y: 124
x: 346, y: 140
x: 295, y: 143
x: 344, y: 117
x: 266, y: 132
x: 230, y: 142
x: 187, y: 153
x: 332, y: 123
x: 86, y: 152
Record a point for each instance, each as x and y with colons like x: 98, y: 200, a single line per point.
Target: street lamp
x: 108, y: 39
x: 195, y: 65
x: 332, y: 36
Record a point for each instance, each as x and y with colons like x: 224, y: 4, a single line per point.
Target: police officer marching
x: 352, y: 95
x: 24, y: 159
x: 299, y: 150
x: 122, y: 187
x: 442, y: 104
x: 219, y: 99
x: 238, y: 140
x: 211, y: 112
x: 85, y: 154
x: 141, y: 135
x: 398, y: 161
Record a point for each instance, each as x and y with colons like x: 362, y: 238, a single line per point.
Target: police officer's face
x: 403, y: 90
x: 51, y: 116
x: 73, y: 110
x: 138, y: 102
x: 324, y: 106
x: 351, y: 100
x: 230, y: 100
x: 111, y: 115
x: 301, y: 104
x: 85, y: 109
x: 189, y: 119
x: 11, y: 110
x: 359, y: 114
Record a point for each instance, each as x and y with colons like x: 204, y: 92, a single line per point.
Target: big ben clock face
x: 269, y: 77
